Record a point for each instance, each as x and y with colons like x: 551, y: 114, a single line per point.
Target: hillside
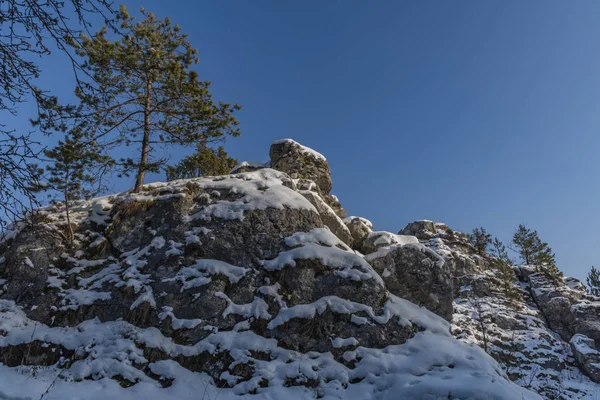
x: 257, y: 285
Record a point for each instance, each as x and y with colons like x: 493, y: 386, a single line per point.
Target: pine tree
x: 526, y: 243
x: 206, y: 161
x: 75, y: 173
x: 146, y: 93
x: 480, y: 240
x: 593, y: 282
x: 535, y: 252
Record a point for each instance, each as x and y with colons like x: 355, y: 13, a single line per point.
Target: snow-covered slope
x: 236, y: 287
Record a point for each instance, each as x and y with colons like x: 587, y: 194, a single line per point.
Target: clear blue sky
x: 467, y: 112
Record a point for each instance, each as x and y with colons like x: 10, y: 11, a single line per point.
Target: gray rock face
x: 569, y: 310
x: 28, y: 261
x: 329, y: 217
x: 417, y: 274
x: 587, y: 356
x: 423, y: 230
x: 301, y: 162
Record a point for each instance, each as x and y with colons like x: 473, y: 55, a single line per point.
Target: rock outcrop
x: 253, y: 284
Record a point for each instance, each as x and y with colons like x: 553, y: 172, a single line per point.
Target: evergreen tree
x: 204, y: 162
x: 535, y: 252
x: 527, y: 243
x: 593, y: 282
x: 75, y: 173
x: 480, y: 240
x: 146, y: 94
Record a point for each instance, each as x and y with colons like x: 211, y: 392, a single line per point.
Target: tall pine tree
x: 146, y: 94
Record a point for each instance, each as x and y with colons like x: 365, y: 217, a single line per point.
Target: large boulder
x: 418, y: 274
x: 301, y: 162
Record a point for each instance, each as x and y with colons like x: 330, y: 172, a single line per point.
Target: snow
x: 199, y: 273
x: 250, y: 164
x: 583, y: 344
x: 273, y: 291
x: 407, y: 312
x: 322, y: 236
x: 341, y: 342
x: 428, y: 366
x: 303, y: 149
x: 257, y: 309
x: 174, y: 249
x: 384, y: 251
x: 98, y: 241
x: 388, y: 238
x: 73, y: 298
x: 146, y: 297
x: 346, y: 265
x: 176, y: 323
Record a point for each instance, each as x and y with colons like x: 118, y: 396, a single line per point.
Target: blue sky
x: 467, y: 112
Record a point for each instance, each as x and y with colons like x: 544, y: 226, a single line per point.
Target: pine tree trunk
x: 139, y: 180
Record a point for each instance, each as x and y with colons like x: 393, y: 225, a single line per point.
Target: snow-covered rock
x: 587, y: 356
x: 300, y: 161
x: 249, y: 285
x: 247, y: 166
x: 378, y: 239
